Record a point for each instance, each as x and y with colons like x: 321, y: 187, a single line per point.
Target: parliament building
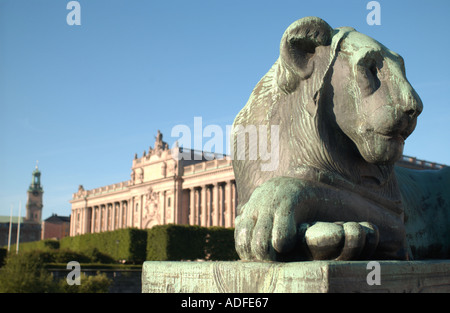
x: 166, y: 189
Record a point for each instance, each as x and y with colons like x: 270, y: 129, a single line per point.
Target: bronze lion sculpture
x: 343, y: 108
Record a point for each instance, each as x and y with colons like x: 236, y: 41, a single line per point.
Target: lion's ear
x: 297, y: 51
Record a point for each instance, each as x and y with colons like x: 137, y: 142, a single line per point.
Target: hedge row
x: 124, y: 244
x: 3, y: 253
x: 43, y: 245
x: 220, y: 244
x: 182, y: 242
x: 162, y: 243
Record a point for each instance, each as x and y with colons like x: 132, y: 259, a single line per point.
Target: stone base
x: 296, y: 277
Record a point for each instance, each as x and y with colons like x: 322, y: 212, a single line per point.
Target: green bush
x: 65, y: 256
x: 160, y: 243
x: 176, y: 242
x: 220, y: 244
x: 124, y: 244
x: 47, y: 244
x: 95, y: 256
x: 3, y: 253
x: 89, y: 284
x: 183, y: 242
x: 50, y: 243
x: 25, y: 273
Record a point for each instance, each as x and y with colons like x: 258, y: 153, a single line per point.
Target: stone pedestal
x: 296, y: 277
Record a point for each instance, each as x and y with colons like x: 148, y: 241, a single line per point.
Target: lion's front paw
x: 340, y: 241
x: 269, y: 227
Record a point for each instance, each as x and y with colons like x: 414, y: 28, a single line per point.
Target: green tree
x: 25, y: 273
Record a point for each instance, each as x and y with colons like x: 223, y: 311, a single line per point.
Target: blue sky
x: 84, y: 99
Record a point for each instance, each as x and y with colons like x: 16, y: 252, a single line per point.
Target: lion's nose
x: 413, y: 105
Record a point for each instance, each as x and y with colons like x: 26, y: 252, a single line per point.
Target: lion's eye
x: 375, y: 79
x: 373, y: 69
x: 369, y: 81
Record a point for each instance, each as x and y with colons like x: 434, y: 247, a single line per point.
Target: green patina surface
x: 344, y: 108
x: 295, y: 277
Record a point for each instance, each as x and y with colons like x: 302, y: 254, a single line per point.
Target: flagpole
x: 18, y: 229
x: 10, y: 226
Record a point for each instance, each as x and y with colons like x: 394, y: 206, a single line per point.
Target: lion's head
x: 343, y: 106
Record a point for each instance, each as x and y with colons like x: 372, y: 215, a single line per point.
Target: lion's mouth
x: 397, y: 137
x: 398, y: 134
x: 400, y: 130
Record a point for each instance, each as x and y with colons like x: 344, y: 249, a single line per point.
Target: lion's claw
x: 340, y: 241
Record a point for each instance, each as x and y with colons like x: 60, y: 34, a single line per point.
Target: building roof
x: 58, y: 219
x: 414, y: 163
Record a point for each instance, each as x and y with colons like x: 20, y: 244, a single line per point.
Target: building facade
x: 162, y: 190
x: 198, y: 189
x: 55, y: 227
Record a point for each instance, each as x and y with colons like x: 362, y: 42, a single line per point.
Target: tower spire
x: 34, y: 201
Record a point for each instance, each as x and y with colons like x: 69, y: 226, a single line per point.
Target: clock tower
x: 34, y: 202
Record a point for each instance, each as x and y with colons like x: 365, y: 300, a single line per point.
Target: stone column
x: 178, y: 203
x: 111, y: 216
x: 222, y: 204
x: 85, y: 218
x: 216, y: 204
x: 92, y: 219
x: 192, y: 206
x: 125, y: 212
x: 79, y: 221
x: 114, y: 214
x: 102, y: 215
x: 105, y: 217
x: 108, y: 216
x: 198, y: 208
x: 203, y: 206
x: 130, y: 215
x: 119, y: 218
x: 208, y: 205
x: 100, y: 218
